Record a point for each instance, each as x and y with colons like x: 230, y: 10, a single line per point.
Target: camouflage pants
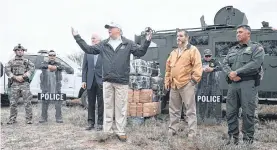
x: 18, y: 89
x: 244, y: 95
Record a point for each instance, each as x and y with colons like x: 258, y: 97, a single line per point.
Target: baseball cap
x: 112, y: 25
x: 207, y: 52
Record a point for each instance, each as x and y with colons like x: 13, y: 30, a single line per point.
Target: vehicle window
x: 270, y: 47
x: 222, y: 48
x: 199, y: 40
x: 158, y: 42
x: 33, y: 59
x: 68, y: 68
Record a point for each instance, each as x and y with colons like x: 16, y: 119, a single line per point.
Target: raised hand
x: 149, y: 35
x: 74, y: 32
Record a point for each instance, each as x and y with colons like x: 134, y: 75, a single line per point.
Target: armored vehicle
x: 220, y: 37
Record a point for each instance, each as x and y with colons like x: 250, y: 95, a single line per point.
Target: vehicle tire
x: 84, y: 99
x: 5, y: 100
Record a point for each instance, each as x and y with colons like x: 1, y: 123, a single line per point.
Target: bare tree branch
x: 77, y: 57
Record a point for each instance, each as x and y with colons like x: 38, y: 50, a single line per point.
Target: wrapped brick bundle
x: 139, y: 82
x: 139, y: 109
x: 133, y: 109
x: 140, y: 67
x: 146, y: 96
x: 150, y: 109
x: 136, y: 96
x: 130, y: 95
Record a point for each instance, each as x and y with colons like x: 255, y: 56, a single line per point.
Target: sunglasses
x: 208, y: 56
x: 52, y: 55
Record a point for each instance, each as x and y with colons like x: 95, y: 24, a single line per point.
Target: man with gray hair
x: 92, y: 81
x: 115, y: 52
x: 242, y: 66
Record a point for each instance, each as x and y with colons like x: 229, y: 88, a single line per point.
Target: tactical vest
x: 212, y: 63
x: 19, y: 67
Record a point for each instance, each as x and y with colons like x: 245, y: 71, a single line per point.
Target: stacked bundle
x: 144, y: 89
x: 156, y: 82
x: 140, y: 74
x: 141, y: 105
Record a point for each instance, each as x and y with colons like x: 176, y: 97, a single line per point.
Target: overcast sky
x: 45, y: 24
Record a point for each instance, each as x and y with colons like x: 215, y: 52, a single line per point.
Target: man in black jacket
x: 115, y: 53
x: 92, y: 81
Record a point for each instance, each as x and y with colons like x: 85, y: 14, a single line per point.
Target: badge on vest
x: 248, y: 49
x: 122, y: 47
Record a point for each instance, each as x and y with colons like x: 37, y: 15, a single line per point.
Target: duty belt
x: 247, y: 78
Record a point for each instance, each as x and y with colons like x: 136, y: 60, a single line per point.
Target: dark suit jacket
x: 89, y: 70
x: 2, y: 69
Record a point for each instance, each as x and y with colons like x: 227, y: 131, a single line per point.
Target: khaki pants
x: 115, y: 101
x: 184, y: 95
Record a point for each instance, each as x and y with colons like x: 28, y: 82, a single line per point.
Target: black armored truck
x: 219, y: 38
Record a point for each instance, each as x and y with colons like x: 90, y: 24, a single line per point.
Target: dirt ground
x: 71, y: 135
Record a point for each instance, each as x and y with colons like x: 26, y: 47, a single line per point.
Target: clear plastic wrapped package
x: 156, y: 83
x: 139, y: 82
x: 155, y: 68
x: 140, y: 67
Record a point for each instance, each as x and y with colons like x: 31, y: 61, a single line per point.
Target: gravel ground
x: 71, y: 135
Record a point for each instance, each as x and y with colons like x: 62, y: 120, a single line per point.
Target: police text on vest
x: 209, y: 99
x: 51, y: 96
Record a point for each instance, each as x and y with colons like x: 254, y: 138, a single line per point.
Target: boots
x: 44, y: 110
x: 236, y: 140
